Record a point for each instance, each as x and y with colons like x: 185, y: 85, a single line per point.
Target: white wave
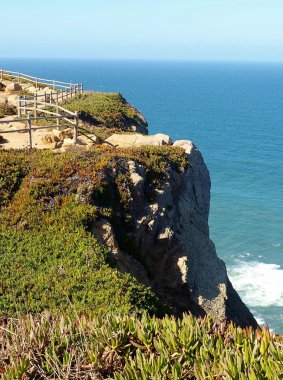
x: 259, y: 284
x: 276, y: 245
x: 258, y: 318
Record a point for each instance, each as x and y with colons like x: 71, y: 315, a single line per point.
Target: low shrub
x: 7, y: 110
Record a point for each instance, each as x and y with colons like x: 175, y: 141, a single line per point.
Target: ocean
x: 233, y: 112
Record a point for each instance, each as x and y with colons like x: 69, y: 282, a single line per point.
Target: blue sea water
x: 234, y: 113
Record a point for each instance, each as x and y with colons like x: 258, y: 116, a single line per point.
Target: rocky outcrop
x: 136, y: 139
x: 13, y: 87
x: 173, y: 251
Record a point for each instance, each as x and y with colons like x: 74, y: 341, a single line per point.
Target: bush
x: 7, y: 109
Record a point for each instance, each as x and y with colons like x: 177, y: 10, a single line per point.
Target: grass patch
x: 108, y: 110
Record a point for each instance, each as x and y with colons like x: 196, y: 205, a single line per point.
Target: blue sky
x: 147, y: 29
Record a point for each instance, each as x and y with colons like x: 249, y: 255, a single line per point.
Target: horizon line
x: 148, y: 59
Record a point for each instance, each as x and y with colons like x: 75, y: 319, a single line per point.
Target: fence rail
x: 55, y: 84
x: 29, y: 127
x: 37, y: 103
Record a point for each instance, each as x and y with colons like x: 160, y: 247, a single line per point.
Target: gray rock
x: 177, y: 257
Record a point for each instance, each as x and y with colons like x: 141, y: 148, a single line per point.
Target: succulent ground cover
x: 48, y: 257
x: 65, y: 310
x: 108, y: 110
x: 92, y: 346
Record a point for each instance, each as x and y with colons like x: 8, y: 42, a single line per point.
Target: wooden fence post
x: 1, y: 74
x: 29, y: 131
x: 25, y: 98
x: 36, y: 83
x: 76, y: 126
x: 18, y: 77
x: 19, y: 107
x: 54, y: 88
x: 57, y: 111
x: 35, y: 106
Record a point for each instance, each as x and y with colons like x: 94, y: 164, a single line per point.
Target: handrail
x: 18, y: 74
x: 31, y: 103
x: 48, y: 105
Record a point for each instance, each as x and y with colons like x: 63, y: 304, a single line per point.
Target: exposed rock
x: 2, y: 86
x: 136, y: 139
x: 103, y: 231
x: 65, y: 133
x: 13, y: 100
x: 12, y: 87
x: 90, y: 139
x: 68, y: 142
x: 57, y: 138
x: 3, y: 98
x: 51, y: 145
x: 176, y: 256
x: 50, y: 138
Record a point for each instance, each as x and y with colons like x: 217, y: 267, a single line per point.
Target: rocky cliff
x: 169, y: 247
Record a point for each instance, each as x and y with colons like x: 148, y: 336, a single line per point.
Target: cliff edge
x: 169, y: 248
x: 151, y: 200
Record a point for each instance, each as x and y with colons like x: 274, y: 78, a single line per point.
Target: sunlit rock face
x: 175, y: 254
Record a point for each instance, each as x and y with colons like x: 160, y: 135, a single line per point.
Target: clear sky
x: 147, y: 29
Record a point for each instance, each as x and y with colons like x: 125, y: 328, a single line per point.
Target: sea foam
x: 259, y: 284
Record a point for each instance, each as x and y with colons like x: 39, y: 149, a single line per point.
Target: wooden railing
x: 52, y: 83
x: 46, y: 103
x: 72, y: 121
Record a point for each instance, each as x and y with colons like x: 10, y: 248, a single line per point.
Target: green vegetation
x: 136, y: 347
x: 108, y: 110
x: 7, y: 109
x: 91, y: 321
x: 48, y: 257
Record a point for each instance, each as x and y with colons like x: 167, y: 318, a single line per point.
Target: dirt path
x: 19, y: 140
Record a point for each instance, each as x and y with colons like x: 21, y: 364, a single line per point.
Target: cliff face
x: 172, y: 249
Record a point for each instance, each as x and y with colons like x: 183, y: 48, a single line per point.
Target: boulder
x: 13, y: 100
x: 136, y: 139
x: 187, y: 145
x: 68, y: 142
x: 65, y: 133
x: 12, y: 87
x: 32, y: 89
x: 90, y: 139
x: 3, y: 98
x: 2, y: 87
x: 50, y: 138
